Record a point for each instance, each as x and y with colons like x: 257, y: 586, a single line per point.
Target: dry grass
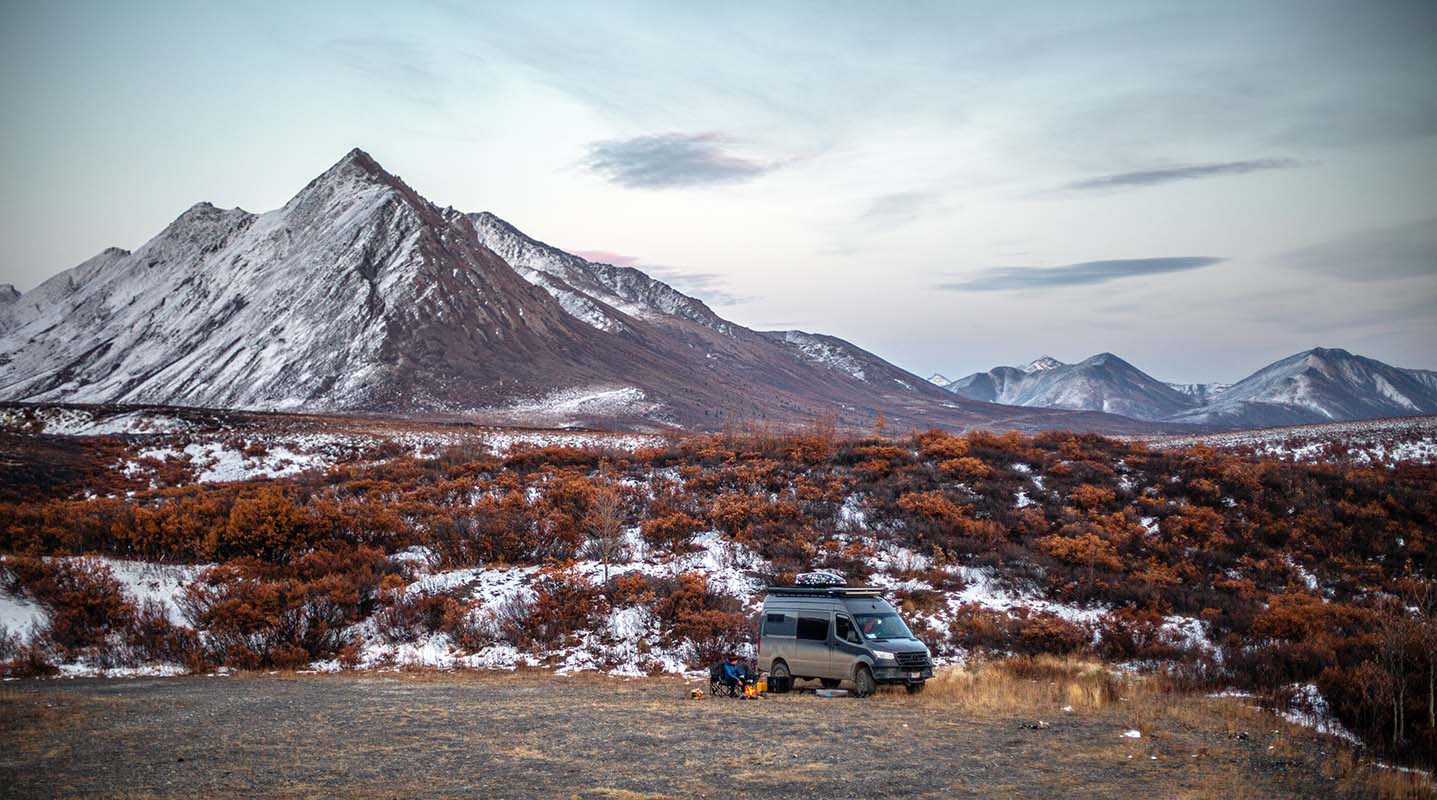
x: 1019, y: 686
x: 1382, y: 782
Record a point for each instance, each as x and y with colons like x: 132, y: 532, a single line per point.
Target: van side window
x: 778, y: 624
x: 813, y: 628
x: 843, y: 629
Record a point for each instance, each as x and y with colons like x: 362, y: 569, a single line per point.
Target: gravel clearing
x: 536, y: 734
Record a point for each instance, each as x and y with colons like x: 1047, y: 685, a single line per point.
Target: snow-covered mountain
x: 1320, y: 385
x: 1101, y: 383
x: 360, y: 295
x: 1043, y: 363
x: 1202, y: 392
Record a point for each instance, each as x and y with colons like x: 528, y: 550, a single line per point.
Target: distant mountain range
x: 360, y: 295
x: 1318, y: 385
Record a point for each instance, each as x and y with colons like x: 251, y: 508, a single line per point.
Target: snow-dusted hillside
x: 1374, y: 441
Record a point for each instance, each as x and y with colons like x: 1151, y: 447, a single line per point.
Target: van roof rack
x: 824, y: 591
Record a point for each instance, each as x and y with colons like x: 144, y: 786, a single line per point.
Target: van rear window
x: 779, y: 624
x: 812, y: 628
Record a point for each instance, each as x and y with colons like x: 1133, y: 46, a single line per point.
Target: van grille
x: 913, y: 660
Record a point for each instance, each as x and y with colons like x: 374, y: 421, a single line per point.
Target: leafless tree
x: 605, y: 525
x: 1421, y: 596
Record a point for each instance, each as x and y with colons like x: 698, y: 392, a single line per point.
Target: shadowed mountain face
x: 360, y: 295
x: 1320, y: 385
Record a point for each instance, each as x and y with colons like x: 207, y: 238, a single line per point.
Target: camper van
x: 838, y: 633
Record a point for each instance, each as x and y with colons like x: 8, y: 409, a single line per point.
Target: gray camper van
x: 838, y: 633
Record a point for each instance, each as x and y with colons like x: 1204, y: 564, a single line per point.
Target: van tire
x: 830, y: 683
x: 779, y: 679
x: 863, y: 684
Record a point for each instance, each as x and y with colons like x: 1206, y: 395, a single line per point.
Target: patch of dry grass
x: 1015, y: 686
x: 1382, y: 782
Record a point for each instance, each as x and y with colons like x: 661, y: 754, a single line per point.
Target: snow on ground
x: 161, y: 583
x: 1309, y: 709
x: 218, y: 462
x: 1373, y: 441
x: 568, y: 406
x: 826, y: 354
x: 500, y: 442
x: 84, y: 422
x: 628, y: 641
x: 20, y: 617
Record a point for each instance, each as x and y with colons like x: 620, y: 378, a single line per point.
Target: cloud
x: 670, y: 160
x: 899, y: 207
x: 999, y: 279
x: 1155, y: 177
x: 711, y: 287
x: 607, y: 257
x: 400, y: 67
x: 1380, y: 254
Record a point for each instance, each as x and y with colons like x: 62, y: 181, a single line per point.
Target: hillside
x: 454, y: 548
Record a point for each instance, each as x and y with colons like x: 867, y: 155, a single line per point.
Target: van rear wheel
x: 863, y: 684
x: 779, y: 680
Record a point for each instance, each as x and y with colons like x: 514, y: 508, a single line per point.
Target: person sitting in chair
x: 734, y: 672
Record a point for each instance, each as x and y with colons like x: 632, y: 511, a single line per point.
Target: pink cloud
x: 605, y: 257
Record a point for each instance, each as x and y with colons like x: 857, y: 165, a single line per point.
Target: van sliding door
x: 810, y: 654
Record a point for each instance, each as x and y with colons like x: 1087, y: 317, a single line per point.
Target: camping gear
x: 831, y: 693
x: 819, y: 578
x: 762, y: 686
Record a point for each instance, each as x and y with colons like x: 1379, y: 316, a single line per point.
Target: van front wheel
x: 779, y: 681
x: 863, y: 685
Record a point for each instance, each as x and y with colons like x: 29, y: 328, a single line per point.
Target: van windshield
x: 882, y: 626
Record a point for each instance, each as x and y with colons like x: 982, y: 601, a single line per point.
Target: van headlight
x: 882, y: 656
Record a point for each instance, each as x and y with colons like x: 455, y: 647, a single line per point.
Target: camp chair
x: 719, y: 686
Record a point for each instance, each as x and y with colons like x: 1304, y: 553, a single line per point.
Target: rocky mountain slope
x: 1319, y: 385
x: 360, y: 295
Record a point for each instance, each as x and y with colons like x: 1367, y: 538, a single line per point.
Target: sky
x: 1201, y: 188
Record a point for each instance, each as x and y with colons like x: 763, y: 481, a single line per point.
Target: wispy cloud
x: 1155, y: 177
x: 900, y: 207
x: 711, y: 287
x: 607, y: 257
x: 671, y: 160
x: 1402, y: 251
x: 999, y: 279
x: 398, y: 66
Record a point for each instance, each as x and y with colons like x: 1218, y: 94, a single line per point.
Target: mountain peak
x: 1041, y: 363
x: 1327, y: 352
x: 1104, y: 358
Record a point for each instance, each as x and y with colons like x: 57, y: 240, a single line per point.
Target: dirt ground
x: 534, y: 734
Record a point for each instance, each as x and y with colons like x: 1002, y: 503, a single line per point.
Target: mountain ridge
x: 358, y: 294
x: 1315, y: 385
